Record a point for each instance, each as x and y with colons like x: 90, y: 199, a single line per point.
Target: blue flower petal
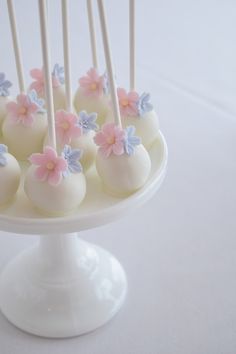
x: 3, y: 150
x: 58, y: 73
x: 4, y: 85
x: 33, y: 98
x: 144, y: 105
x: 87, y: 121
x: 72, y: 157
x: 131, y: 141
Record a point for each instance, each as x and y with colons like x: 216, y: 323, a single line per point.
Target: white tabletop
x: 179, y: 250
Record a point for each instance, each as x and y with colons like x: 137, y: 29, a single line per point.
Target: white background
x: 179, y: 250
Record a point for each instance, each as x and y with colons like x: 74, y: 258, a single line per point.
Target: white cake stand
x: 64, y: 286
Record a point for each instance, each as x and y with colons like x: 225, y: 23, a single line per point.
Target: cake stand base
x: 62, y: 287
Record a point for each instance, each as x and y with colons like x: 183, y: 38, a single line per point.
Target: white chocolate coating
x: 147, y: 127
x: 86, y: 143
x: 59, y: 97
x: 9, y: 179
x: 123, y: 175
x: 55, y: 200
x: 3, y: 112
x: 23, y: 141
x: 90, y: 104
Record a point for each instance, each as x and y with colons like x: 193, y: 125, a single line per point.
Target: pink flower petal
x: 99, y: 138
x: 122, y: 95
x: 118, y: 148
x: 37, y: 159
x: 133, y: 96
x: 41, y: 173
x: 61, y: 164
x: 54, y: 178
x: 106, y: 150
x: 12, y: 108
x: 50, y: 153
x: 36, y: 74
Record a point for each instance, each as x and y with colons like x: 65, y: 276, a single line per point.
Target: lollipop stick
x: 109, y: 64
x: 16, y: 45
x: 47, y: 72
x: 66, y: 50
x: 92, y: 33
x: 132, y: 43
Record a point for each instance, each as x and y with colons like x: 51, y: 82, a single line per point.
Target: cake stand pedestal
x: 63, y: 286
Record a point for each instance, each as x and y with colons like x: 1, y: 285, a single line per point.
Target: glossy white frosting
x: 23, y: 141
x: 55, y: 200
x: 123, y: 175
x: 9, y: 179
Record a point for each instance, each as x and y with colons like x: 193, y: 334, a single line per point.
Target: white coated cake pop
x: 55, y: 184
x: 92, y: 96
x: 137, y: 111
x: 25, y: 125
x: 59, y: 97
x: 4, y: 97
x: 10, y: 173
x: 122, y: 161
x: 78, y: 132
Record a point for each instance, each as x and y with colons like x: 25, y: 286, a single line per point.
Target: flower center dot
x: 65, y: 125
x: 93, y: 86
x: 50, y: 165
x: 111, y: 140
x: 22, y: 110
x: 125, y: 102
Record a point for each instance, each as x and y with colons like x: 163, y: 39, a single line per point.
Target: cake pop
x: 55, y: 184
x: 9, y: 175
x: 138, y: 111
x: 57, y: 84
x: 25, y: 125
x: 4, y: 97
x: 122, y: 161
x: 78, y: 132
x: 91, y: 95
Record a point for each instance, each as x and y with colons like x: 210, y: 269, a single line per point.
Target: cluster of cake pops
x: 61, y: 136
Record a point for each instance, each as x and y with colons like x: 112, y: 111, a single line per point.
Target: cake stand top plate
x: 98, y: 207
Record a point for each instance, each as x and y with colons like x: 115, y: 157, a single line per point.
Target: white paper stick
x: 132, y: 63
x: 92, y: 33
x: 16, y: 45
x: 47, y: 71
x: 109, y: 64
x: 66, y: 50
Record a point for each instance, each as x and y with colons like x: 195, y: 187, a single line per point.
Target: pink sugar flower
x: 128, y: 102
x: 67, y: 127
x: 38, y: 84
x: 92, y: 83
x: 22, y: 111
x: 110, y: 140
x: 50, y: 166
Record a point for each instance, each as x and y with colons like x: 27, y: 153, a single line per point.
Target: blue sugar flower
x: 58, y: 73
x: 4, y: 85
x: 3, y: 151
x: 72, y: 157
x: 144, y: 104
x: 87, y: 121
x: 33, y: 98
x: 131, y: 140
